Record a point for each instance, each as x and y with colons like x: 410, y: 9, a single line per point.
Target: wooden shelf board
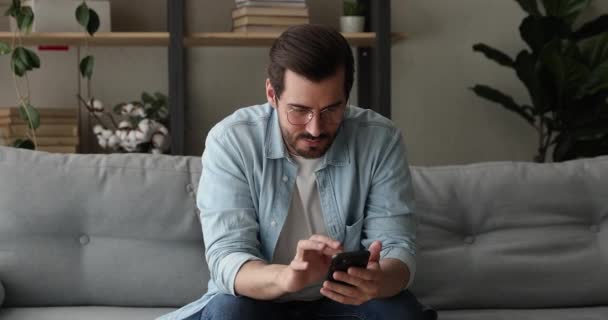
x: 262, y: 39
x: 100, y: 39
x: 161, y: 39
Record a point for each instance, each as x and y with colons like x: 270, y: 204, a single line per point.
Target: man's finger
x: 374, y: 251
x: 348, y: 278
x: 327, y: 240
x: 304, y: 245
x: 298, y: 265
x: 369, y: 274
x: 337, y: 297
x: 342, y: 289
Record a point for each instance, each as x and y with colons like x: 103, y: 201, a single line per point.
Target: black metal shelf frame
x: 373, y: 67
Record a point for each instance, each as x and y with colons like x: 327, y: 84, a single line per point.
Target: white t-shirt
x: 303, y: 220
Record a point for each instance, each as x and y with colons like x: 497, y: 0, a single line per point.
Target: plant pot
x: 352, y: 23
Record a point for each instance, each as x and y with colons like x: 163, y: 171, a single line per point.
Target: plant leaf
x: 30, y: 115
x: 13, y: 10
x: 538, y: 31
x: 32, y: 59
x: 86, y: 67
x: 494, y: 55
x: 4, y: 48
x: 598, y: 80
x: 24, y: 144
x: 118, y: 108
x: 530, y: 6
x: 525, y: 68
x: 146, y: 98
x: 83, y: 14
x: 18, y: 65
x: 592, y: 28
x: 565, y: 9
x: 506, y: 101
x: 94, y: 22
x: 25, y: 19
x: 594, y: 50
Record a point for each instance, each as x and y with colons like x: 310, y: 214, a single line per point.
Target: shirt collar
x: 337, y: 155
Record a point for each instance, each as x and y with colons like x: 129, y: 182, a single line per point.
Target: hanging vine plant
x: 89, y: 20
x: 23, y: 61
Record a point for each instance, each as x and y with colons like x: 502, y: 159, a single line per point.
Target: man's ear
x: 270, y: 93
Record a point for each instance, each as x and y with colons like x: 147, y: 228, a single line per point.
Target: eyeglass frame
x: 311, y: 113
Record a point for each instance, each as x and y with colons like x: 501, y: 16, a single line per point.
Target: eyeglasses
x: 301, y: 116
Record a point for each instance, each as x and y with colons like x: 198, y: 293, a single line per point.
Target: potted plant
x: 136, y: 126
x: 565, y: 71
x: 353, y: 18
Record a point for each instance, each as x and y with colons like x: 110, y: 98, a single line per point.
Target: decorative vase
x: 352, y: 23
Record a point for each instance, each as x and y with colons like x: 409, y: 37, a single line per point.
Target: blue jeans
x: 403, y: 306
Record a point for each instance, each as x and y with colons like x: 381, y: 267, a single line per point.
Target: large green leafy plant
x: 565, y: 71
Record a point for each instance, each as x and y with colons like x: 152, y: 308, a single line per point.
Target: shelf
x: 264, y: 39
x: 161, y: 39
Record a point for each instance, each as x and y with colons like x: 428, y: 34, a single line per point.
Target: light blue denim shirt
x: 248, y: 178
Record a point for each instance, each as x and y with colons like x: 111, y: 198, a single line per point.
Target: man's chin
x: 311, y: 152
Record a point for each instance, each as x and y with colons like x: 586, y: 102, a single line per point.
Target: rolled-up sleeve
x: 227, y: 214
x: 389, y: 210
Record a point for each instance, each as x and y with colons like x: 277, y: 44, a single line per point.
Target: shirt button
x: 285, y: 178
x: 273, y: 223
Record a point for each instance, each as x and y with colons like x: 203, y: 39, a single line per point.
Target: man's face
x: 306, y: 136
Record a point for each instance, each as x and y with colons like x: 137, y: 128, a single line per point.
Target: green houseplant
x: 24, y: 60
x: 565, y: 71
x: 353, y: 17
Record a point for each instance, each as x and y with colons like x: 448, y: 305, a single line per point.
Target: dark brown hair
x: 313, y: 51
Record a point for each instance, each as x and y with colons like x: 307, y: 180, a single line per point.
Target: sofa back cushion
x: 118, y: 230
x: 513, y: 235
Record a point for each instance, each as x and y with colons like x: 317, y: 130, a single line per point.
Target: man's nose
x: 314, y: 126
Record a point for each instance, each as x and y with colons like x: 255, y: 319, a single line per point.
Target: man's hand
x: 365, y: 283
x: 310, y: 264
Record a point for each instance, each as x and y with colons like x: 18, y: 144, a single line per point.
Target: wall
x: 443, y: 122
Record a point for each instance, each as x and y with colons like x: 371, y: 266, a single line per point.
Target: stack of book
x: 58, y: 131
x: 268, y: 15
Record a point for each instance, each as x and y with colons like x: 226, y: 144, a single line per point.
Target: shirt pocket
x: 352, y: 235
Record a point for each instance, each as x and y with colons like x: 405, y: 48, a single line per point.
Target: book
x: 269, y: 11
x: 57, y: 149
x: 251, y: 3
x: 44, y: 112
x: 50, y: 130
x: 18, y: 120
x: 44, y: 141
x: 270, y: 21
x: 254, y: 28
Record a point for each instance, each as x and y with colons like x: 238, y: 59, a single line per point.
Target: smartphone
x: 344, y: 260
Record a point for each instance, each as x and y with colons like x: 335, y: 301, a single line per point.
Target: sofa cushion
x: 513, y: 235
x: 119, y: 230
x: 84, y: 313
x: 588, y: 313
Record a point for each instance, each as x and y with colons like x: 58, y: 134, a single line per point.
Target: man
x: 288, y: 184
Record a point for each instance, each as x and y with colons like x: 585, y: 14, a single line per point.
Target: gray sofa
x: 118, y: 237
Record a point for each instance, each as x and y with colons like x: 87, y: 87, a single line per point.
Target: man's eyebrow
x: 335, y: 104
